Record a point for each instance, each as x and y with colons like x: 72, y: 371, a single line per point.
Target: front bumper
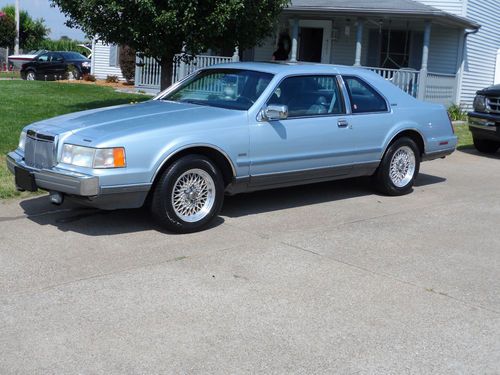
x: 79, y: 187
x: 55, y: 179
x: 485, y: 125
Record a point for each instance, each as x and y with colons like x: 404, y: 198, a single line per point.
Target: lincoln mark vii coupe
x: 229, y: 129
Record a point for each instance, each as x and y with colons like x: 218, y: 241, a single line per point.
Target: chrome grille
x: 493, y: 104
x: 39, y: 151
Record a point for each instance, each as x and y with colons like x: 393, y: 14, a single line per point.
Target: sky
x: 53, y: 17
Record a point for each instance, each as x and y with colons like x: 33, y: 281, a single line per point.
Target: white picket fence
x: 148, y: 71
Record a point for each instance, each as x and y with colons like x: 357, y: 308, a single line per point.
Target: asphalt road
x: 322, y: 279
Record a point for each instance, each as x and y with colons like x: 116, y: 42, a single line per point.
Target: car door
x: 370, y: 118
x: 314, y: 141
x: 58, y: 66
x: 42, y: 66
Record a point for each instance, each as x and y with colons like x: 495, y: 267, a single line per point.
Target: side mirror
x: 275, y: 112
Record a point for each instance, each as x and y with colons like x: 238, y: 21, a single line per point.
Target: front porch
x: 420, y: 50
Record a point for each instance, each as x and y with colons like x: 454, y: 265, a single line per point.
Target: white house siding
x: 344, y: 47
x: 101, y: 62
x: 265, y: 51
x: 451, y: 6
x: 481, y: 48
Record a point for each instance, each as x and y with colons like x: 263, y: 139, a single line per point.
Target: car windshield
x: 224, y: 88
x: 73, y: 56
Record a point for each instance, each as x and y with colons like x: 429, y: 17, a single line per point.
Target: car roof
x: 286, y: 67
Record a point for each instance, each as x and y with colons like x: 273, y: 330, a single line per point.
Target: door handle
x: 342, y: 123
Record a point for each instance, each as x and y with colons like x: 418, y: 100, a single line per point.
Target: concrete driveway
x: 323, y: 279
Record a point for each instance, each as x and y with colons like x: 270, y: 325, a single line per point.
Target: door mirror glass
x: 275, y: 112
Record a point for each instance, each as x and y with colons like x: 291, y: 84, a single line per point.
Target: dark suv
x: 484, y: 122
x: 56, y: 65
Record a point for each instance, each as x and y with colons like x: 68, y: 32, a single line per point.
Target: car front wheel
x: 188, y: 195
x: 486, y: 146
x: 399, y: 167
x: 30, y: 76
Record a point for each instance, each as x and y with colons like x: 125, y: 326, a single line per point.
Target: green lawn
x: 22, y: 103
x: 464, y: 136
x: 10, y: 75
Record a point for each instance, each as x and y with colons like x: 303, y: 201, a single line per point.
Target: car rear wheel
x: 486, y: 146
x: 399, y: 167
x: 188, y: 195
x: 30, y: 76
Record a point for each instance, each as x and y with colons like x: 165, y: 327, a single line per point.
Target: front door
x: 315, y: 41
x: 314, y: 141
x: 311, y: 44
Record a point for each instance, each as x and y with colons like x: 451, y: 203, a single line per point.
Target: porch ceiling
x: 381, y: 8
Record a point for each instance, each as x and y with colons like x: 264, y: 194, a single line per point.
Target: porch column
x: 359, y: 41
x: 422, y: 82
x: 295, y: 40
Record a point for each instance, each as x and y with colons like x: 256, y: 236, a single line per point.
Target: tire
x: 486, y: 146
x: 180, y: 186
x: 30, y: 75
x: 399, y: 168
x: 77, y: 75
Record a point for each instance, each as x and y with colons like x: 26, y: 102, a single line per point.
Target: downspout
x: 462, y: 63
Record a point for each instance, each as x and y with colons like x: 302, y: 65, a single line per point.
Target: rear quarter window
x: 364, y: 98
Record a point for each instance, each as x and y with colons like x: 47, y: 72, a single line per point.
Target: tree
x: 127, y: 63
x: 32, y: 31
x: 7, y: 30
x: 163, y: 28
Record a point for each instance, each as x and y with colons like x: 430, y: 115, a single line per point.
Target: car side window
x: 43, y: 58
x: 363, y: 97
x: 309, y: 96
x: 56, y: 57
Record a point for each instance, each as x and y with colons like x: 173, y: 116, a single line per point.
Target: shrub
x: 127, y: 63
x: 112, y: 79
x: 457, y: 113
x: 89, y: 77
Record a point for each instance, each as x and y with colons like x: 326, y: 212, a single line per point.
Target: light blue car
x: 229, y: 129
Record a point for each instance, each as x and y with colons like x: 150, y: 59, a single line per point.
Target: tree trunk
x: 166, y: 71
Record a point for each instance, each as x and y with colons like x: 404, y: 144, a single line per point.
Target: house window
x: 114, y: 55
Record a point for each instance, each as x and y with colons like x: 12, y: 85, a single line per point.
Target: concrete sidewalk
x: 327, y: 278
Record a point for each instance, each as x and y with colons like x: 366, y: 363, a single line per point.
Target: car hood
x: 129, y: 118
x: 492, y: 90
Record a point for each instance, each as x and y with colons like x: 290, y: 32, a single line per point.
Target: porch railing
x: 438, y: 88
x: 405, y: 79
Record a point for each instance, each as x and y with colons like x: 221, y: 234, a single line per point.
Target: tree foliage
x: 127, y: 63
x: 7, y: 30
x: 162, y: 28
x: 32, y: 31
x: 63, y: 44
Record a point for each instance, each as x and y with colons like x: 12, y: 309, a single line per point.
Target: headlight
x: 93, y: 157
x: 86, y: 64
x: 22, y: 140
x: 479, y: 103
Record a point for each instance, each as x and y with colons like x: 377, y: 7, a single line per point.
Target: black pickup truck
x: 484, y: 121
